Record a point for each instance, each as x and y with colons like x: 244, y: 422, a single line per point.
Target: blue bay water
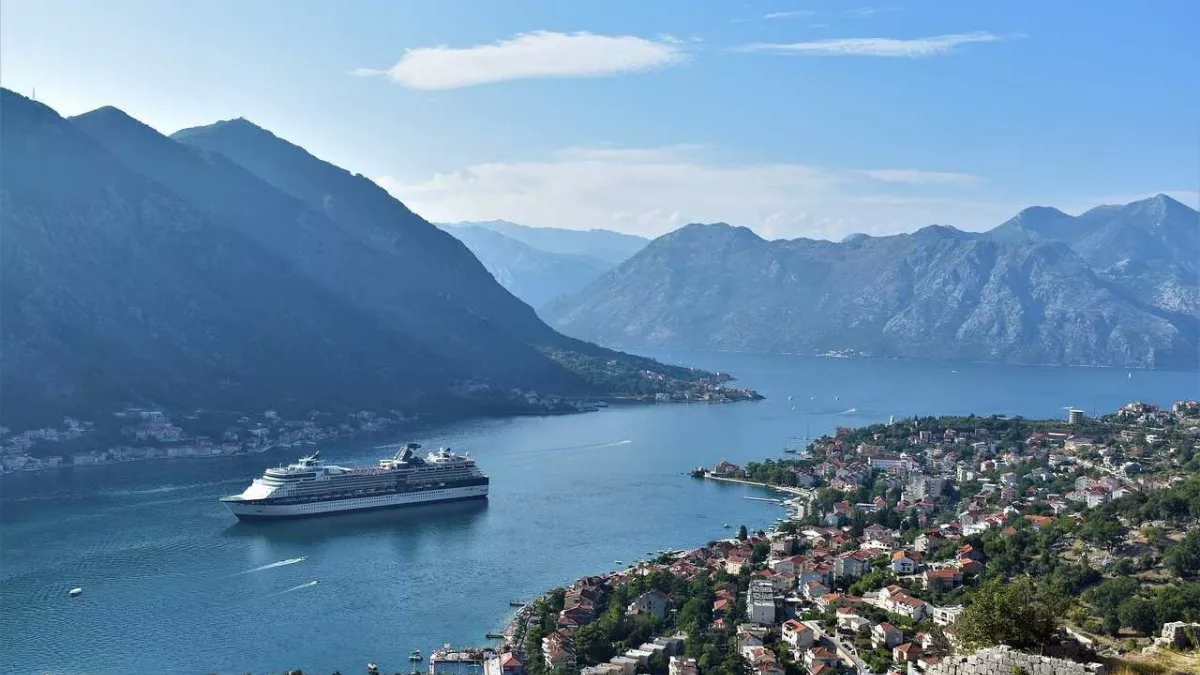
x: 172, y: 584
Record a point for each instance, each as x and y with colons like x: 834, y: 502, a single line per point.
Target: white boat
x: 74, y: 592
x: 309, y: 487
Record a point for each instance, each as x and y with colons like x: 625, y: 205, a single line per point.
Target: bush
x: 1019, y: 614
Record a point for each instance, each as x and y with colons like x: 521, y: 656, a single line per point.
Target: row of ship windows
x: 366, y: 500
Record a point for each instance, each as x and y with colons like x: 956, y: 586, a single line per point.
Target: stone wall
x: 1005, y: 661
x: 1180, y: 635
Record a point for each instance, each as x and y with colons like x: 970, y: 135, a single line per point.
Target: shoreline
x: 797, y: 492
x: 513, y: 634
x: 415, y: 425
x: 917, y: 359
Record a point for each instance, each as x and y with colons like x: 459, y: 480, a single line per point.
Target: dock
x: 764, y: 499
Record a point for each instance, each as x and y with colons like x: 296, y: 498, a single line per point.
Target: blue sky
x: 793, y: 117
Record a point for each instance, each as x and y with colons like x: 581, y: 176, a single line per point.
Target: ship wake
x: 281, y: 563
x: 294, y: 588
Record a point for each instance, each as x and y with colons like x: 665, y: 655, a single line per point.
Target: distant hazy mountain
x: 936, y: 293
x: 234, y: 270
x: 606, y: 245
x: 531, y: 274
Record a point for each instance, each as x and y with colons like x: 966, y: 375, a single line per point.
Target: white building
x: 760, y: 608
x: 944, y: 616
x: 797, y: 634
x: 652, y: 602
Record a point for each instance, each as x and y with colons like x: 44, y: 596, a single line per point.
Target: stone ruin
x: 1004, y: 660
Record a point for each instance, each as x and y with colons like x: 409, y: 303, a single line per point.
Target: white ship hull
x: 260, y: 511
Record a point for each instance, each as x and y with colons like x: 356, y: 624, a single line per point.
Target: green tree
x: 591, y: 644
x: 1019, y: 614
x: 742, y: 534
x: 1183, y: 559
x: 1103, y: 532
x: 1107, y: 596
x: 1112, y: 623
x: 761, y: 550
x: 1139, y: 615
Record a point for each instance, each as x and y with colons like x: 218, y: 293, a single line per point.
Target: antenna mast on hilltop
x: 34, y: 95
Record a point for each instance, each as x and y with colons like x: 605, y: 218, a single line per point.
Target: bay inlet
x: 199, y: 592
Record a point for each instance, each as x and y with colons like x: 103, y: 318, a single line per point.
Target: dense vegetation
x: 613, y: 632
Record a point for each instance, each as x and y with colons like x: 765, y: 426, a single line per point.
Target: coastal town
x: 135, y: 434
x: 925, y: 546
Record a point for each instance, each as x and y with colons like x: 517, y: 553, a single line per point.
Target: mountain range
x: 607, y: 246
x: 1115, y: 286
x: 540, y: 264
x: 226, y: 267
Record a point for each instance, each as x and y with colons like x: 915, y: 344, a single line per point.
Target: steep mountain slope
x: 531, y: 274
x: 385, y: 272
x: 1148, y: 248
x: 611, y: 247
x: 936, y: 293
x: 139, y: 271
x: 116, y: 291
x: 432, y: 261
x: 429, y: 260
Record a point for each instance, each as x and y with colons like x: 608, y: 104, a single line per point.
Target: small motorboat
x: 619, y: 562
x: 75, y: 592
x: 415, y: 656
x: 727, y: 526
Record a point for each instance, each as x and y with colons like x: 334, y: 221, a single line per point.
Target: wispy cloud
x: 652, y: 190
x: 868, y: 12
x: 775, y: 16
x: 884, y: 47
x: 539, y: 54
x: 918, y: 177
x: 794, y: 14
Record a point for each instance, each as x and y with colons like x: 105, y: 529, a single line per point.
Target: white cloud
x: 788, y: 15
x: 531, y: 55
x: 886, y: 47
x: 651, y: 191
x: 868, y: 12
x: 775, y: 16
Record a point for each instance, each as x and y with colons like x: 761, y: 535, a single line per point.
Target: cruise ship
x: 310, y: 487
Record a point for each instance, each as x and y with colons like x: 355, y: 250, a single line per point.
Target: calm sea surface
x: 173, y: 584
